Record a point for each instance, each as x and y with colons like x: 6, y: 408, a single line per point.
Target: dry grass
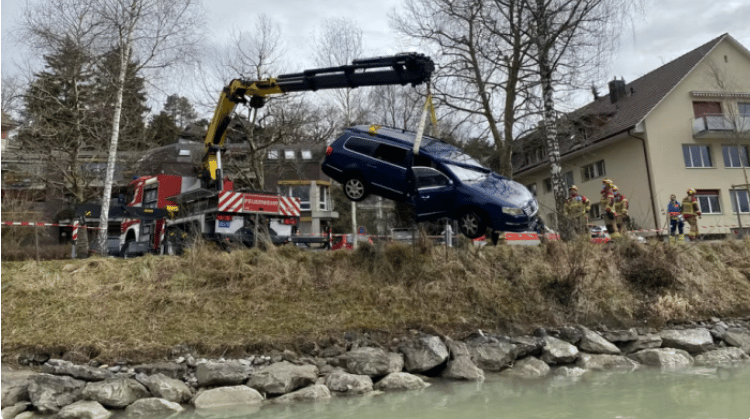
x: 218, y: 301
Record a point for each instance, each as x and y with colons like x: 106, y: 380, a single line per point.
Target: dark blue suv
x: 440, y: 181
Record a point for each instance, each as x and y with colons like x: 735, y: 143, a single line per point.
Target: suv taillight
x: 329, y: 150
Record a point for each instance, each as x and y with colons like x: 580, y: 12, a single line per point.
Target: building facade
x: 683, y: 125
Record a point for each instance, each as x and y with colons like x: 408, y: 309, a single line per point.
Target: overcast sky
x: 667, y: 29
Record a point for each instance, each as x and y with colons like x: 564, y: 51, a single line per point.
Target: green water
x: 694, y: 393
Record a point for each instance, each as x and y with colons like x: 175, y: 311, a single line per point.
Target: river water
x: 643, y: 394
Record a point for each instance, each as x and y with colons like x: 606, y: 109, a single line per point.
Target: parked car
x: 440, y: 181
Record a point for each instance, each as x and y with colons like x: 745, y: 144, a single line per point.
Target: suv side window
x: 391, y: 154
x: 360, y: 145
x: 427, y: 177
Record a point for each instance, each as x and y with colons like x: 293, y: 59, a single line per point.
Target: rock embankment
x: 91, y: 390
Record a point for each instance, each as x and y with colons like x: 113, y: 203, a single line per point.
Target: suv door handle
x: 425, y: 196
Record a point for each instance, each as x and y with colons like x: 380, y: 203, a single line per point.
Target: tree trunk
x: 548, y: 118
x: 112, y: 158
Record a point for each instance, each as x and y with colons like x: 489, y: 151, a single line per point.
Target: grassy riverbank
x: 223, y: 302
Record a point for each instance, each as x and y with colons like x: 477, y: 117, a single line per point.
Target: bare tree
x: 153, y: 33
x: 483, y: 66
x: 339, y: 43
x: 571, y: 39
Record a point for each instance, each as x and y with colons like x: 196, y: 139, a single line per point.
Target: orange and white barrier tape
x: 33, y: 224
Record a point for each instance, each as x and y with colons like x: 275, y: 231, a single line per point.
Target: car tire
x: 355, y: 189
x: 471, y: 224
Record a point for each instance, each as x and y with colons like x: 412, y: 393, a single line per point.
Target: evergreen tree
x: 181, y: 110
x: 134, y: 109
x: 162, y: 130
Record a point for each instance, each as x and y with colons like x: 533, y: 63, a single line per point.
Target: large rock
x: 214, y: 373
x: 594, y: 343
x: 737, y: 339
x: 462, y: 369
x: 400, y: 381
x: 115, y: 392
x: 694, y: 341
x: 666, y: 358
x: 529, y: 367
x: 82, y: 372
x: 312, y: 393
x: 15, y: 387
x: 557, y: 351
x: 620, y: 336
x: 457, y: 349
x: 170, y: 369
x: 48, y: 393
x: 227, y: 396
x: 11, y: 412
x: 492, y: 354
x: 373, y: 362
x: 167, y: 388
x: 722, y: 356
x: 423, y: 353
x: 649, y: 341
x: 153, y: 407
x: 600, y: 362
x: 84, y: 409
x: 527, y: 345
x: 283, y: 377
x: 343, y: 382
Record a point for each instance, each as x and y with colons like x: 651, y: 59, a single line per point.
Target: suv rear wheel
x: 472, y: 225
x: 355, y: 189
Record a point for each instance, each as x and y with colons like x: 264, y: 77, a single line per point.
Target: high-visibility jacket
x: 577, y: 205
x: 690, y: 207
x: 621, y: 205
x: 674, y: 209
x: 608, y: 202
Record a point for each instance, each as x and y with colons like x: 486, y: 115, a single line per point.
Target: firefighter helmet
x: 691, y: 191
x: 573, y: 188
x: 608, y: 182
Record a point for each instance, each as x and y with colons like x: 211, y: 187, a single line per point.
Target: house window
x: 708, y: 201
x: 273, y: 154
x: 595, y: 212
x: 289, y: 154
x: 740, y: 197
x: 567, y: 179
x: 302, y: 192
x: 322, y: 198
x: 744, y: 108
x: 735, y: 155
x: 306, y: 155
x: 696, y: 155
x: 706, y: 108
x: 593, y: 170
x: 532, y: 188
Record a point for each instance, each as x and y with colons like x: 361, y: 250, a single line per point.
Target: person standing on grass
x: 691, y: 211
x: 621, y: 209
x: 576, y: 209
x: 608, y: 206
x: 676, y: 222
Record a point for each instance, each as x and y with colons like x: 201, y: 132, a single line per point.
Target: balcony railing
x: 721, y: 124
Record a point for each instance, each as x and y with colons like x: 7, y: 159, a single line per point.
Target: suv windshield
x: 468, y: 174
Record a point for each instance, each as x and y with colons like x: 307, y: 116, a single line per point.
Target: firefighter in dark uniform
x: 676, y: 222
x: 691, y: 211
x: 608, y: 208
x: 576, y: 210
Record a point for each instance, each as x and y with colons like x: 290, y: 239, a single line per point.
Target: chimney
x: 616, y: 90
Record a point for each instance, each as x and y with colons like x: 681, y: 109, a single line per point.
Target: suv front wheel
x: 471, y: 224
x: 355, y: 189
